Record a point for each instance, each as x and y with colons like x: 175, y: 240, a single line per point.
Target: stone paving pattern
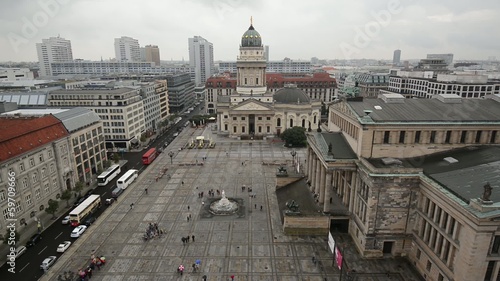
x: 252, y: 247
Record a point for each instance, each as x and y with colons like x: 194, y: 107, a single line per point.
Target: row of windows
x: 243, y: 118
x: 440, y: 137
x: 38, y: 195
x: 243, y: 129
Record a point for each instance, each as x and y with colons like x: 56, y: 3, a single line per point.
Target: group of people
x: 95, y: 261
x: 152, y: 231
x: 185, y: 240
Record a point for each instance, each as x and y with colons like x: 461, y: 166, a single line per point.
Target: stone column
x: 328, y: 192
x: 317, y: 179
x: 322, y: 185
x: 310, y: 163
x: 312, y: 179
x: 308, y: 158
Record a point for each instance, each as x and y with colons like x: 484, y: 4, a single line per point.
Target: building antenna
x: 251, y: 20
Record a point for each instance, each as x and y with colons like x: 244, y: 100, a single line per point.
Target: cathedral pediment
x: 252, y: 105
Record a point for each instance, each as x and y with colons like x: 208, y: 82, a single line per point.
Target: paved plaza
x: 250, y: 247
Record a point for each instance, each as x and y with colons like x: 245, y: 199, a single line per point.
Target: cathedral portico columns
x: 312, y: 179
x: 328, y: 191
x: 317, y: 179
x: 322, y: 185
x: 310, y: 160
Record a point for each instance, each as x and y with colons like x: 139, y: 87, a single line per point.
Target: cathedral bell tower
x: 251, y: 64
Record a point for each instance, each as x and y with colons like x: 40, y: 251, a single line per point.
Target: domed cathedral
x: 253, y: 112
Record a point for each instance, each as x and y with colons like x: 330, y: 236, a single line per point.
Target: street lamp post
x: 171, y: 154
x: 293, y: 153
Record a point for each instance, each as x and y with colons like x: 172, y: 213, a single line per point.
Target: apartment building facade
x: 35, y: 154
x: 88, y: 148
x: 121, y: 111
x: 420, y: 84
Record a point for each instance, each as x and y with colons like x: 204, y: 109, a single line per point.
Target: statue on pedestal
x: 487, y: 192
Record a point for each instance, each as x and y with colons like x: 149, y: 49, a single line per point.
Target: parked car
x: 89, y: 221
x: 34, y: 239
x: 48, y: 262
x: 110, y: 201
x: 90, y: 192
x: 165, y: 144
x: 20, y: 250
x: 79, y: 201
x: 63, y: 246
x: 79, y: 230
x: 65, y: 220
x: 176, y: 134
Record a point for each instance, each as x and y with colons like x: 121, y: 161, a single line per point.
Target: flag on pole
x: 338, y: 258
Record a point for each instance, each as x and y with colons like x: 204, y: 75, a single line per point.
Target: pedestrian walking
x: 232, y: 277
x: 131, y: 206
x: 188, y: 207
x: 314, y: 259
x: 188, y: 217
x: 146, y: 190
x: 192, y: 237
x: 261, y: 207
x: 182, y: 182
x: 203, y: 203
x: 187, y: 238
x: 255, y: 206
x: 89, y: 272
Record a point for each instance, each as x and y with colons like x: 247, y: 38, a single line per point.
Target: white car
x: 48, y: 262
x: 63, y: 246
x: 78, y: 231
x: 65, y: 220
x: 20, y: 250
x: 176, y: 134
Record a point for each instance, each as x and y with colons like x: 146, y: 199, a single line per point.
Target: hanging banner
x: 331, y: 243
x: 338, y: 258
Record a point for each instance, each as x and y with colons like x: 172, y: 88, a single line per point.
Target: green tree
x: 52, y: 208
x: 324, y: 110
x: 295, y: 136
x: 105, y: 164
x: 66, y: 195
x: 116, y: 157
x: 7, y: 235
x: 79, y: 187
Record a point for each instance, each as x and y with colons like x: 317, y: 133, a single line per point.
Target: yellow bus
x: 86, y: 208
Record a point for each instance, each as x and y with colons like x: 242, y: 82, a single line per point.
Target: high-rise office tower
x: 54, y: 49
x: 396, y: 58
x: 152, y: 54
x: 127, y: 49
x: 201, y: 58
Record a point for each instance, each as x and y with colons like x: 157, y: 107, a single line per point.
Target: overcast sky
x: 298, y: 29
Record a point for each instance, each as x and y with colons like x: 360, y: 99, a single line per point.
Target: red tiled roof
x: 20, y: 135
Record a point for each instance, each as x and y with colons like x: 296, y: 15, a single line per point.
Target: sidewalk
x: 27, y: 231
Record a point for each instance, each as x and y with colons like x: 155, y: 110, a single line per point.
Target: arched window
x: 291, y: 123
x: 278, y: 122
x: 314, y: 119
x: 303, y: 123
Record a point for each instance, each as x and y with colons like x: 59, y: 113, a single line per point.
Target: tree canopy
x: 295, y: 136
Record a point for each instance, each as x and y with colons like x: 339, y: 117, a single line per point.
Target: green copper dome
x: 251, y: 38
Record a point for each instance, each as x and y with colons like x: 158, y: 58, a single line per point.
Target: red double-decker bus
x: 149, y: 156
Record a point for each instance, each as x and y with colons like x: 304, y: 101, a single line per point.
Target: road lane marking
x: 58, y: 235
x: 42, y: 250
x: 24, y: 267
x: 104, y: 193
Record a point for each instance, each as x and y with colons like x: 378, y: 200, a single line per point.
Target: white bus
x: 86, y: 208
x: 108, y: 175
x: 127, y: 178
